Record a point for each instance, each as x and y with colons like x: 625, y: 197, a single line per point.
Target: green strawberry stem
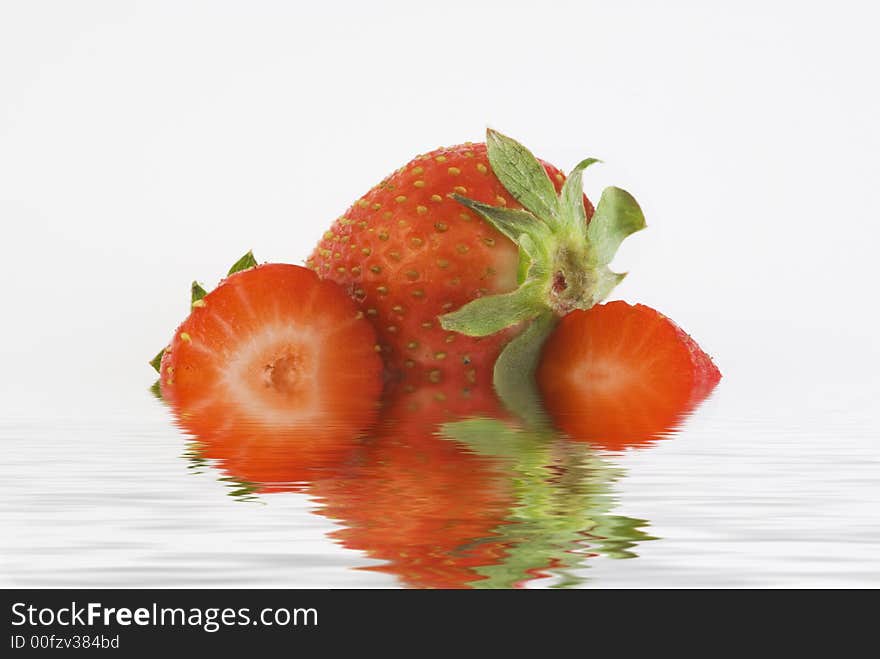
x: 518, y: 393
x: 564, y: 258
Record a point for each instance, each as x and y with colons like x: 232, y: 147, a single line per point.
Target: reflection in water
x: 423, y: 504
x: 456, y: 493
x: 562, y: 499
x: 260, y: 458
x: 445, y: 499
x: 617, y: 423
x: 258, y: 462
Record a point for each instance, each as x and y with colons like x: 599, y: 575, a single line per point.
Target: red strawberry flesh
x: 619, y: 375
x: 277, y: 356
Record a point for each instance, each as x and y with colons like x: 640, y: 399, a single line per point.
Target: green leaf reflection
x: 563, y: 502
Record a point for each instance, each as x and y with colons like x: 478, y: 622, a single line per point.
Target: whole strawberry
x: 462, y: 249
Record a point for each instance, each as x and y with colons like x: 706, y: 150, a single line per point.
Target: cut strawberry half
x: 275, y: 371
x: 618, y: 375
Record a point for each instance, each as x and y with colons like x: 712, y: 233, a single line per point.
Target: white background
x: 145, y: 144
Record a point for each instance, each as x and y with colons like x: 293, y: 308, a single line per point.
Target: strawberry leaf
x: 197, y: 292
x: 536, y: 255
x: 523, y: 176
x: 156, y: 390
x: 487, y: 315
x: 244, y: 263
x: 606, y: 281
x: 617, y: 216
x: 523, y: 228
x: 156, y: 362
x: 513, y: 368
x: 563, y: 259
x: 572, y: 197
x: 512, y: 223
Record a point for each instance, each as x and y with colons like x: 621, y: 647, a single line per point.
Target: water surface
x: 749, y: 491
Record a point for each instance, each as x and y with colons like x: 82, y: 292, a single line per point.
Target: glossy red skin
x: 433, y: 256
x: 294, y: 403
x: 618, y: 375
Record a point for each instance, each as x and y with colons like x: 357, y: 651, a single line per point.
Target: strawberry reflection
x: 444, y: 494
x: 563, y: 496
x: 425, y: 506
x: 476, y: 502
x: 632, y: 418
x: 258, y: 458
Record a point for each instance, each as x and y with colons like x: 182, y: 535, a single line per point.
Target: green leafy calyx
x: 564, y: 257
x: 244, y: 263
x: 197, y: 292
x: 156, y: 362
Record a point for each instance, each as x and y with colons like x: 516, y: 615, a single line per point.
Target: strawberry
x: 619, y: 375
x: 275, y: 370
x: 466, y: 247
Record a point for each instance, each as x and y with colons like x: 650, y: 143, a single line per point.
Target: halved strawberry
x: 618, y: 375
x: 275, y: 370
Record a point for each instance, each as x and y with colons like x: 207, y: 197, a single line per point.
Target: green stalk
x: 565, y: 257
